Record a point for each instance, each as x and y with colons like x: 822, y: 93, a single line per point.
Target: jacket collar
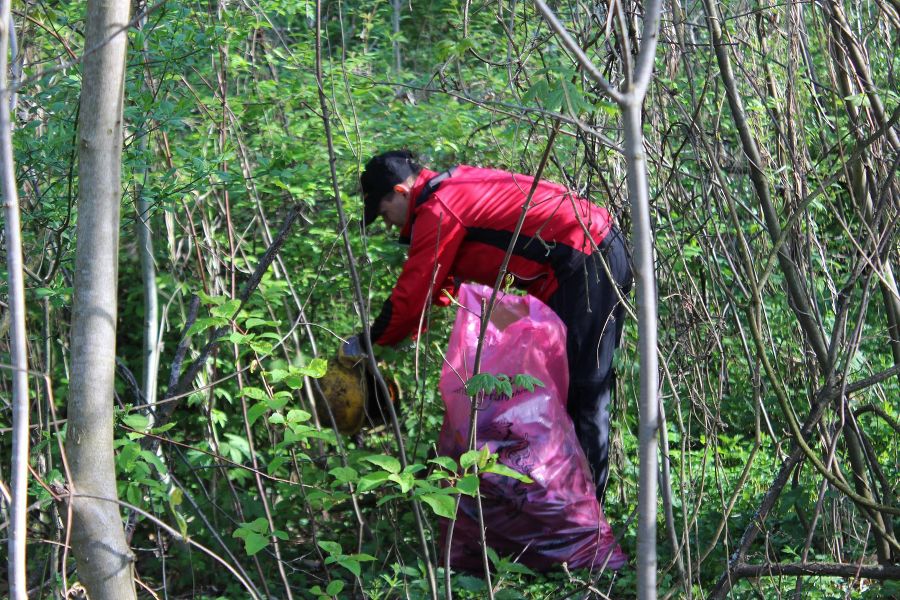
x: 424, y: 177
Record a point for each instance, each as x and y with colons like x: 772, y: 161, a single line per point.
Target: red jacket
x: 462, y: 229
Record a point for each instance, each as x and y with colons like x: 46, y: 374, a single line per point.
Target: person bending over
x: 459, y: 224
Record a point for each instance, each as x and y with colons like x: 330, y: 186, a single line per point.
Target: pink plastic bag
x: 557, y: 518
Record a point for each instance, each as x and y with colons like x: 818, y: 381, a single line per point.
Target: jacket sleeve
x: 437, y: 235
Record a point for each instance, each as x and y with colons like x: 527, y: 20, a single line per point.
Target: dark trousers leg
x: 589, y: 305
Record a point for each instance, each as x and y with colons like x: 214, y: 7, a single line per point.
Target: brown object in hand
x: 353, y: 396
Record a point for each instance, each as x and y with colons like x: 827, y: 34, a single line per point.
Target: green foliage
x: 224, y: 135
x: 500, y: 384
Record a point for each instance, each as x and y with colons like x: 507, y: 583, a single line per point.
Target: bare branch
x: 582, y: 58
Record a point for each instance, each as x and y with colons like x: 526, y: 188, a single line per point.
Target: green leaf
x: 316, y: 368
x: 226, y: 310
x: 484, y: 456
x: 261, y: 346
x: 332, y: 548
x: 296, y: 415
x: 235, y: 337
x: 489, y: 384
x: 483, y: 382
x: 136, y: 421
x: 445, y: 462
x: 404, y: 480
x: 362, y: 557
x: 279, y: 400
x: 259, y: 525
x: 154, y: 460
x: 372, y: 481
x: 414, y: 468
x: 252, y: 534
x: 252, y: 322
x: 256, y: 411
x: 468, y: 583
x: 387, y: 498
x: 469, y: 458
x: 254, y: 393
x: 203, y: 324
x: 514, y: 567
x: 468, y: 485
x: 164, y: 428
x: 335, y: 587
x: 443, y: 505
x: 501, y: 469
x: 388, y: 463
x: 214, y: 300
x: 538, y: 91
x: 276, y: 375
x: 527, y: 382
x: 351, y: 565
x: 344, y: 474
x: 254, y: 542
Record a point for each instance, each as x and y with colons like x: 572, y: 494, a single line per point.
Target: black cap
x: 381, y: 174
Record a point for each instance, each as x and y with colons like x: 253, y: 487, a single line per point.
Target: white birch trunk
x: 17, y: 339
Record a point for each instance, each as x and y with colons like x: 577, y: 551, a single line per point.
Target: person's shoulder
x: 467, y: 175
x: 469, y: 171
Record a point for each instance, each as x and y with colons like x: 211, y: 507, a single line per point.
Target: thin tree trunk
x: 397, y: 6
x: 645, y: 296
x: 17, y: 339
x: 151, y: 299
x: 846, y: 571
x: 148, y: 275
x: 98, y: 539
x: 630, y: 101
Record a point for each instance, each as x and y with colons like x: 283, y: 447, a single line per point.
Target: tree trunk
x: 631, y: 102
x: 98, y: 538
x: 17, y: 338
x: 396, y: 6
x: 148, y: 272
x: 645, y: 296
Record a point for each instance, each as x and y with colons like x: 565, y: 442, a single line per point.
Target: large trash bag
x: 557, y: 518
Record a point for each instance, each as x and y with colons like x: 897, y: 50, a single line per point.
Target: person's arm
x: 437, y: 235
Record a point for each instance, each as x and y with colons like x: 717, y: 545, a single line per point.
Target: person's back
x: 554, y: 215
x: 487, y: 204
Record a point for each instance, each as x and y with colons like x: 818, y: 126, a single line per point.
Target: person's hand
x: 351, y: 351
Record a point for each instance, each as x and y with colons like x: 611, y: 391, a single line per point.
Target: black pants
x: 588, y: 303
